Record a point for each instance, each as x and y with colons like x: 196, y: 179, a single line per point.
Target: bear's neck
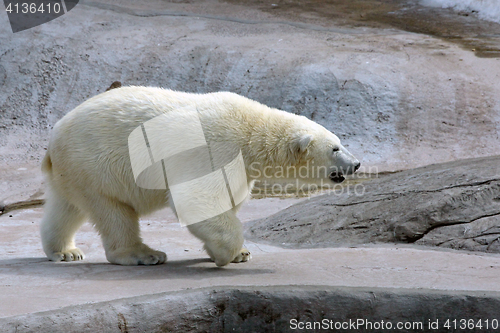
x: 266, y: 140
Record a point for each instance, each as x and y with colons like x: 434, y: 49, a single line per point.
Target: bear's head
x: 320, y: 152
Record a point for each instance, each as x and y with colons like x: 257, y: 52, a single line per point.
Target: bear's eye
x: 336, y: 149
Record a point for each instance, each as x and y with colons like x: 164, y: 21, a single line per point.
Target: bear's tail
x: 47, y: 164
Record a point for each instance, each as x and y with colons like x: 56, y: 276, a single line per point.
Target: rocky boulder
x: 454, y: 205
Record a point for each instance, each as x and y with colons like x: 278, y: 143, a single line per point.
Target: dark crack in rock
x: 3, y: 75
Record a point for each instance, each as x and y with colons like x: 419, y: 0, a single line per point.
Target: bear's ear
x: 301, y: 142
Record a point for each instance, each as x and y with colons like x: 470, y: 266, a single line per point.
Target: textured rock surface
x: 456, y: 205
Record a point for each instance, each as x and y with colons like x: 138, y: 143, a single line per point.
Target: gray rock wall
x: 398, y: 100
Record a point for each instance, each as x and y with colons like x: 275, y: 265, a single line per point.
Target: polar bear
x: 89, y: 174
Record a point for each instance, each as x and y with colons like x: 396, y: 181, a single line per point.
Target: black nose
x: 356, y: 167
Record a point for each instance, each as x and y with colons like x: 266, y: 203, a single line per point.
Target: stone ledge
x: 264, y: 309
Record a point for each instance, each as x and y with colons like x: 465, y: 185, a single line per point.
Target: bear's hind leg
x: 60, y: 222
x: 223, y: 238
x: 118, y: 225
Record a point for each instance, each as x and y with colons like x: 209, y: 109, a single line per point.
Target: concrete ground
x: 30, y: 283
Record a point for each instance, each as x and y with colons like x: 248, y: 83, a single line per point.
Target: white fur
x: 89, y: 174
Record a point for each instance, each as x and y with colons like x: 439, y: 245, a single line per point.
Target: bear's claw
x: 70, y: 255
x: 160, y: 258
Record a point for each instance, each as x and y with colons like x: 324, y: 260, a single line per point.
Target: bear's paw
x: 243, y: 256
x: 140, y: 255
x: 69, y: 255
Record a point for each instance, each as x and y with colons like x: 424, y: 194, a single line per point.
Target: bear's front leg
x: 118, y: 224
x: 223, y: 238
